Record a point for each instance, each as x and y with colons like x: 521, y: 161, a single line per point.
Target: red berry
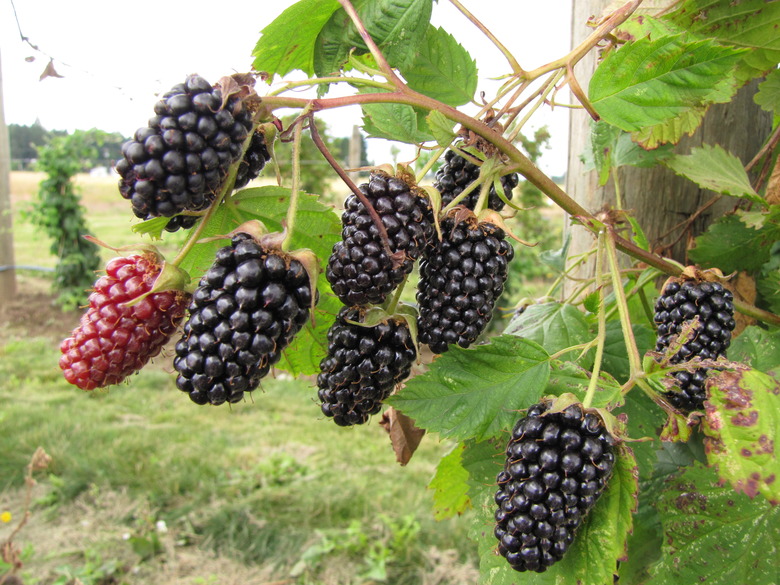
x: 116, y: 339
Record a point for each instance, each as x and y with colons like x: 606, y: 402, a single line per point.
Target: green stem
x: 634, y: 360
x: 602, y: 321
x: 542, y: 93
x: 391, y: 307
x: 616, y: 181
x: 296, y: 181
x: 335, y: 79
x: 429, y: 165
x: 516, y: 69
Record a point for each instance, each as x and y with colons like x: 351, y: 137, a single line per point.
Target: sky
x: 116, y: 58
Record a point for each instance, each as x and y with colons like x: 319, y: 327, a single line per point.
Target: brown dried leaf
x: 773, y: 186
x: 404, y: 435
x: 743, y: 287
x: 50, y: 71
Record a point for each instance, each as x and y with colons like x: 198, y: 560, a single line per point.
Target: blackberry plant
x: 366, y: 265
x: 368, y: 355
x: 180, y: 160
x: 460, y: 280
x: 457, y: 173
x: 132, y: 314
x: 246, y: 310
x: 711, y: 305
x: 557, y: 465
x: 562, y: 496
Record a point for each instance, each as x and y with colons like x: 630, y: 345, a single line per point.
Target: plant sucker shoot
x: 571, y: 417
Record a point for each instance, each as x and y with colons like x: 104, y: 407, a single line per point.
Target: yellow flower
x: 5, y: 517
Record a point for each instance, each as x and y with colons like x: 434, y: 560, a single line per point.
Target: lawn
x: 146, y: 487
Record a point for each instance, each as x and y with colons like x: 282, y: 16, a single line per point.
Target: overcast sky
x: 117, y: 56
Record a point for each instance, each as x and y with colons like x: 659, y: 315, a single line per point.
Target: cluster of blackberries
x: 180, y: 159
x: 244, y: 313
x: 360, y: 270
x: 680, y: 303
x: 116, y: 336
x: 460, y: 281
x: 557, y: 466
x: 456, y: 173
x: 363, y: 365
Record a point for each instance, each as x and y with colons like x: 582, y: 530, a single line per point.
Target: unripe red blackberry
x: 680, y: 302
x: 359, y: 269
x: 557, y: 465
x: 363, y: 365
x: 119, y: 334
x: 247, y: 308
x: 456, y: 173
x: 179, y: 161
x: 460, y: 281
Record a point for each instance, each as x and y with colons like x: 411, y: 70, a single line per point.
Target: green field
x: 146, y: 487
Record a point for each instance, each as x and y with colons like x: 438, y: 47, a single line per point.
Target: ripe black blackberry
x: 680, y: 302
x: 363, y: 365
x: 359, y: 269
x: 244, y: 313
x: 254, y: 160
x: 460, y: 281
x: 557, y: 466
x: 457, y: 173
x: 180, y: 159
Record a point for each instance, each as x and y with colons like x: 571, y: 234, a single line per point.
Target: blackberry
x: 557, y: 466
x: 359, y: 270
x: 457, y: 173
x: 460, y: 281
x: 680, y: 302
x: 119, y: 333
x: 254, y: 160
x: 179, y: 161
x: 247, y: 308
x: 363, y: 365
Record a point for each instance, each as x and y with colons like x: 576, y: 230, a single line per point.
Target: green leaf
x: 442, y: 69
x: 751, y: 24
x: 569, y: 377
x: 482, y: 461
x: 441, y: 127
x: 768, y: 286
x: 712, y: 167
x: 154, y: 227
x: 742, y: 422
x: 555, y: 326
x: 671, y: 131
x: 757, y: 348
x: 397, y: 122
x: 648, y: 82
x: 449, y: 485
x: 598, y: 544
x: 474, y: 393
x: 612, y: 148
x: 711, y: 532
x: 396, y: 26
x: 615, y: 359
x: 288, y: 42
x: 768, y: 95
x: 730, y: 245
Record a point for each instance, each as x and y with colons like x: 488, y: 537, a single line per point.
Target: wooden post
x: 658, y: 198
x: 355, y: 151
x: 7, y: 276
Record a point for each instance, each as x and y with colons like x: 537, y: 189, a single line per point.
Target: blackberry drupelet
x: 557, y: 466
x: 457, y: 173
x: 460, y: 281
x: 363, y: 365
x: 679, y: 303
x: 359, y: 270
x: 179, y: 161
x: 117, y: 336
x: 255, y: 158
x: 247, y: 308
